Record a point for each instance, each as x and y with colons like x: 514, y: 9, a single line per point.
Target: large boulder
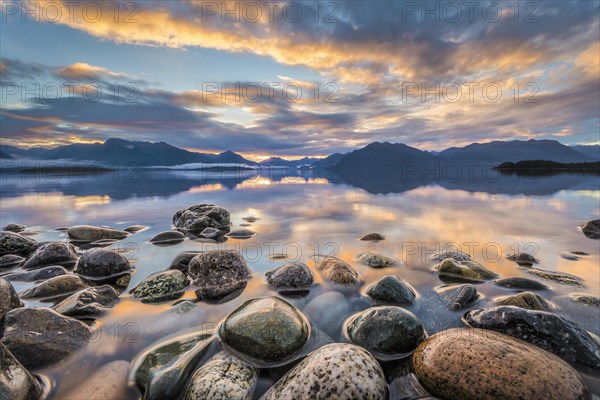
x: 52, y: 253
x: 16, y: 383
x: 200, y: 216
x: 102, y: 263
x: 13, y: 243
x: 591, y: 229
x: 292, y: 276
x: 391, y: 290
x: 218, y: 273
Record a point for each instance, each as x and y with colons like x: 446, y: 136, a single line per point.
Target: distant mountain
x: 33, y: 152
x: 228, y: 157
x: 513, y: 151
x: 282, y: 162
x: 589, y: 150
x: 4, y: 155
x: 329, y: 162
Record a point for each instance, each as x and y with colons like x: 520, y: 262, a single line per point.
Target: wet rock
x: 391, y: 290
x: 40, y: 337
x: 16, y: 383
x: 223, y: 377
x: 211, y: 232
x: 591, y: 229
x: 267, y: 329
x: 455, y: 255
x: 9, y: 300
x: 570, y: 257
x: 10, y: 260
x: 579, y: 253
x: 102, y: 243
x: 218, y: 273
x: 36, y: 275
x: 108, y: 382
x: 478, y: 364
x: 241, y: 234
x: 13, y: 243
x: 56, y: 288
x: 250, y: 219
x: 335, y: 371
x: 385, y: 330
x: 168, y: 237
x: 182, y: 260
x: 163, y: 370
x: 52, y: 253
x: 459, y: 297
x: 524, y: 259
x: 16, y: 228
x: 451, y: 270
x: 549, y: 331
x: 161, y: 286
x: 87, y: 233
x: 521, y: 284
x: 372, y: 237
x: 290, y: 277
x: 200, y: 216
x: 135, y: 228
x: 526, y: 300
x: 586, y: 299
x: 101, y: 263
x: 375, y: 260
x: 327, y: 311
x: 337, y: 271
x: 89, y: 303
x: 559, y: 277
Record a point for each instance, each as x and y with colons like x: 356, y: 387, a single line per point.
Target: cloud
x: 83, y: 71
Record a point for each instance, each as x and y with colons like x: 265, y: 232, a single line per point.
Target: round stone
x: 101, y: 263
x: 52, y: 253
x: 391, y: 290
x: 161, y: 286
x: 291, y: 276
x: 13, y: 243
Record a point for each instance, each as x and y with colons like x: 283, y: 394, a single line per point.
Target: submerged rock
x: 211, y: 232
x: 459, y: 296
x: 163, y: 370
x: 101, y: 263
x: 41, y: 274
x: 9, y: 300
x: 13, y: 243
x: 375, y: 260
x: 16, y: 383
x: 291, y: 276
x: 52, y: 253
x: 88, y: 303
x: 241, y: 234
x: 479, y: 364
x: 455, y: 255
x: 218, y: 273
x: 161, y: 286
x: 591, y: 229
x: 56, y: 288
x: 16, y: 228
x: 586, y: 299
x: 391, y: 290
x: 526, y: 300
x: 335, y: 371
x: 450, y: 270
x: 385, y: 330
x: 559, y: 277
x: 200, y: 216
x: 328, y: 311
x: 182, y: 260
x: 133, y: 229
x: 570, y: 257
x: 168, y: 237
x: 87, y: 233
x: 223, y: 377
x: 40, y: 337
x: 10, y: 260
x: 549, y: 331
x: 521, y: 283
x: 337, y: 271
x: 250, y: 219
x: 524, y: 259
x: 267, y: 329
x: 108, y: 382
x: 372, y: 237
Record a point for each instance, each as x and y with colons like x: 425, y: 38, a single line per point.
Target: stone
x: 10, y: 260
x: 477, y: 364
x: 241, y: 234
x: 101, y: 263
x: 182, y: 260
x: 375, y: 260
x: 337, y: 371
x: 135, y: 228
x: 13, y: 243
x: 161, y: 286
x: 103, y: 243
x: 549, y: 331
x: 211, y: 232
x: 218, y: 273
x: 52, y: 253
x: 36, y: 275
x: 526, y: 300
x: 586, y: 299
x: 87, y: 233
x: 251, y: 219
x: 385, y: 330
x: 168, y: 237
x: 450, y: 270
x: 337, y: 271
x: 521, y: 284
x: 372, y: 237
x: 57, y: 288
x: 89, y: 303
x: 570, y: 257
x: 109, y: 382
x: 9, y: 300
x: 200, y: 216
x: 459, y: 297
x: 292, y: 276
x: 223, y: 377
x: 328, y: 311
x: 162, y: 370
x: 16, y: 383
x: 591, y: 229
x: 524, y: 259
x: 391, y: 290
x: 16, y: 228
x: 559, y: 277
x: 455, y: 255
x: 266, y: 329
x: 40, y: 337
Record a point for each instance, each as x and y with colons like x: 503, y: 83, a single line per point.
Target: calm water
x: 307, y: 217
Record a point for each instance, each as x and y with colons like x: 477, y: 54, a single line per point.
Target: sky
x: 299, y: 78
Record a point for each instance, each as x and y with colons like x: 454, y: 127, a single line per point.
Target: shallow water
x: 307, y: 217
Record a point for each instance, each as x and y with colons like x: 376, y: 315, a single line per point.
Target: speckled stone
x: 268, y: 329
x: 372, y: 237
x: 591, y: 229
x: 526, y: 300
x: 88, y: 303
x: 337, y: 271
x: 59, y: 287
x: 218, y: 273
x: 478, y: 364
x: 52, y: 253
x: 8, y: 297
x: 375, y: 260
x: 336, y: 371
x: 525, y: 259
x: 559, y: 277
x: 223, y: 377
x: 521, y: 284
x: 161, y: 286
x: 13, y: 243
x: 16, y: 383
x: 197, y: 217
x: 586, y: 299
x: 87, y: 233
x: 101, y: 263
x: 10, y: 260
x: 37, y: 275
x: 458, y: 297
x: 385, y: 330
x: 455, y: 255
x: 391, y: 290
x: 549, y: 331
x: 290, y: 276
x: 451, y: 270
